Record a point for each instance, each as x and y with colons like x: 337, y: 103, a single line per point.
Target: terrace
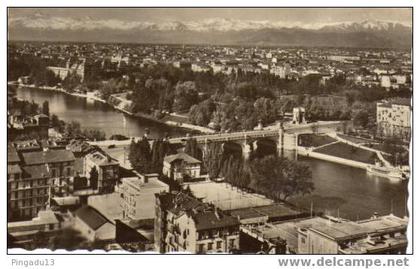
x: 349, y: 152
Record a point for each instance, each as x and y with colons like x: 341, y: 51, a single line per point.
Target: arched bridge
x: 285, y: 138
x: 315, y: 127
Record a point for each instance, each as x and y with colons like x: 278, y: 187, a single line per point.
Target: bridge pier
x: 290, y: 141
x: 286, y: 136
x: 246, y: 150
x: 287, y: 142
x: 204, y: 149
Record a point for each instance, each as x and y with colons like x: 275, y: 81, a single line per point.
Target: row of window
x: 27, y: 184
x: 28, y: 193
x: 30, y: 212
x: 39, y: 201
x: 56, y: 173
x: 210, y: 245
x: 213, y: 234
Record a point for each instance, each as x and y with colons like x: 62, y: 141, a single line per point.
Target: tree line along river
x: 339, y: 190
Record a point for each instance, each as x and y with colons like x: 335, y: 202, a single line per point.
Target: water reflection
x: 95, y: 114
x: 351, y: 192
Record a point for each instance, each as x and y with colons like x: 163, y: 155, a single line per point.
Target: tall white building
x: 393, y: 118
x: 138, y: 196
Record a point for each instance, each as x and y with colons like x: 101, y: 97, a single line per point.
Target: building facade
x: 106, y: 167
x: 138, y: 196
x: 393, y: 118
x: 34, y: 178
x: 323, y: 235
x: 77, y: 68
x: 378, y: 235
x: 27, y: 190
x: 185, y: 224
x: 23, y: 233
x: 179, y: 165
x: 60, y: 166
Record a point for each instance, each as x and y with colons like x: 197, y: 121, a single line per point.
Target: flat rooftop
x: 340, y: 230
x: 44, y: 217
x: 120, y: 154
x: 369, y: 246
x: 107, y: 204
x: 384, y: 223
x: 277, y: 211
x: 227, y: 197
x: 152, y: 183
x: 287, y: 230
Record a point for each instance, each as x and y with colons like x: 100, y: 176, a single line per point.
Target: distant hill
x: 367, y: 34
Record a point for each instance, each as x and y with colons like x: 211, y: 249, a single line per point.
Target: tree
x: 393, y: 146
x: 73, y: 129
x: 236, y: 172
x: 213, y: 159
x: 71, y: 81
x: 93, y: 177
x: 51, y: 79
x: 201, y: 113
x: 266, y: 110
x: 46, y: 108
x: 94, y: 134
x: 186, y: 95
x: 58, y: 124
x: 160, y: 149
x: 140, y: 156
x: 192, y: 149
x: 361, y: 118
x: 280, y: 178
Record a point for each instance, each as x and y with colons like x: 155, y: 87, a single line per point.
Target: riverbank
x: 306, y: 152
x: 336, y: 149
x: 170, y: 123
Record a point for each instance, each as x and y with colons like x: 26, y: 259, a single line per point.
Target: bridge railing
x: 252, y: 134
x: 227, y: 136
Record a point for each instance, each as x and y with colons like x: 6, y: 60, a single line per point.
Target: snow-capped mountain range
x: 216, y: 24
x: 213, y: 31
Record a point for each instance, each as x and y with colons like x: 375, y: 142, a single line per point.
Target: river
x: 93, y: 114
x: 339, y: 190
x: 351, y: 193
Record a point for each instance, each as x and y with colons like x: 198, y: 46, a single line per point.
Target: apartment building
x: 393, y: 118
x: 27, y: 190
x: 185, y: 224
x: 60, y: 166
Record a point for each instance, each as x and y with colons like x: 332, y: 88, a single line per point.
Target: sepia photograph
x: 209, y: 130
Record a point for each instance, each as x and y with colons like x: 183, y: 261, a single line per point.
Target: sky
x: 158, y: 15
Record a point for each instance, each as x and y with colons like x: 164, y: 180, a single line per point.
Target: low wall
x: 309, y: 153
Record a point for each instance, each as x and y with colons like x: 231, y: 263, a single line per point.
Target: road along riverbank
x: 91, y: 96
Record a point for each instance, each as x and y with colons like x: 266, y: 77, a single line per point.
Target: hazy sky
x: 303, y: 15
